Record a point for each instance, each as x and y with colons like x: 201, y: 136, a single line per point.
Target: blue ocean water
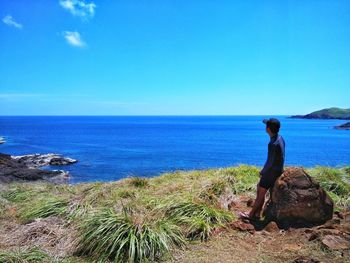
x: 113, y: 147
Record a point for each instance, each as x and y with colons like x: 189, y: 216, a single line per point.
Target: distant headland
x: 327, y: 114
x: 330, y: 113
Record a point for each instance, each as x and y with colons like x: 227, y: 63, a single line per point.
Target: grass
x: 18, y: 193
x: 212, y: 192
x: 333, y: 181
x: 126, y: 237
x: 139, y: 182
x: 243, y: 178
x: 198, y: 219
x: 51, y: 206
x: 33, y: 255
x: 347, y: 171
x: 143, y: 219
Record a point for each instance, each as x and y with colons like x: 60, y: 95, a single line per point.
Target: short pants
x: 268, y: 179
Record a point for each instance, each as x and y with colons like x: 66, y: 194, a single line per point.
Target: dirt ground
x: 269, y: 245
x: 282, y: 246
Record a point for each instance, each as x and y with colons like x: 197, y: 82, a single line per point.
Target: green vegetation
x: 17, y: 194
x: 42, y: 208
x: 335, y: 182
x: 330, y: 113
x: 198, y: 219
x: 135, y: 219
x: 138, y: 182
x: 33, y: 255
x: 127, y: 237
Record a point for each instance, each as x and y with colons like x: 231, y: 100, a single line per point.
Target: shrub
x: 212, y: 192
x: 126, y: 238
x: 198, y: 219
x: 139, y: 182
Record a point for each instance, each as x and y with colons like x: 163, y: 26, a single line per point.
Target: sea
x: 113, y: 147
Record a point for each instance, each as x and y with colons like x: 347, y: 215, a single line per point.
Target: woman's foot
x: 247, y: 216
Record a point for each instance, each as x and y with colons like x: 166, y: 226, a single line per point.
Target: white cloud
x: 8, y: 20
x: 74, y: 38
x: 79, y: 8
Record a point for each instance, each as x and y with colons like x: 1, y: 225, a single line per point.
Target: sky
x: 193, y: 57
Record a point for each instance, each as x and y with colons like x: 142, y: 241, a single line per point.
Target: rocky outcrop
x: 345, y: 126
x: 25, y: 168
x: 297, y: 199
x: 39, y: 160
x: 333, y: 235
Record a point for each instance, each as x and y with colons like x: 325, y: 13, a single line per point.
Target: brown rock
x: 305, y: 260
x: 314, y: 235
x: 335, y: 225
x: 331, y: 223
x: 272, y: 227
x: 250, y: 202
x: 335, y: 242
x: 242, y: 226
x: 339, y: 214
x: 292, y: 247
x: 298, y: 199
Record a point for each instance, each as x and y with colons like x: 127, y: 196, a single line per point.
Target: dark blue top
x: 276, y: 155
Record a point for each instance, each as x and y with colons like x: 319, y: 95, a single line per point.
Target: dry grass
x: 49, y: 234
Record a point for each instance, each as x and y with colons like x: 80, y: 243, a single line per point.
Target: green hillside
x: 330, y: 113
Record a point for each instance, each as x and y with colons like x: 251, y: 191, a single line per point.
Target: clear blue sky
x: 70, y: 57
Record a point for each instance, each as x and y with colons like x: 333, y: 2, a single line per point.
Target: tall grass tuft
x: 199, y: 219
x: 211, y: 193
x: 126, y: 237
x: 17, y: 194
x: 33, y: 255
x: 334, y: 182
x: 125, y: 193
x: 139, y: 182
x: 331, y: 180
x: 43, y: 208
x: 347, y: 170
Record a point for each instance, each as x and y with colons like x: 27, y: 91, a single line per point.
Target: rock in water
x: 345, y: 126
x: 297, y: 199
x: 38, y: 160
x: 24, y: 168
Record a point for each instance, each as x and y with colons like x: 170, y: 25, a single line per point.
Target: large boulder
x: 297, y: 199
